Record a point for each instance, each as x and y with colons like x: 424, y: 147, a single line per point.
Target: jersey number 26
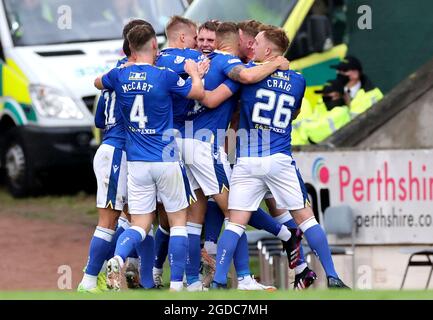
x: 272, y: 104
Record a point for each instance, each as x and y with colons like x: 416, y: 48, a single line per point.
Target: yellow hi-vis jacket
x: 363, y: 100
x: 308, y: 113
x: 321, y: 128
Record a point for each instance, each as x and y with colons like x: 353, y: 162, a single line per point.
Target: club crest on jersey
x: 179, y: 60
x: 137, y: 76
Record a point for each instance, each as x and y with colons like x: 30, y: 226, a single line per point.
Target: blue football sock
x: 263, y: 221
x: 213, y: 222
x: 194, y: 252
x: 177, y: 252
x: 146, y: 252
x: 290, y: 223
x: 226, y: 248
x: 100, y: 246
x: 162, y: 238
x: 122, y: 225
x: 241, y: 257
x: 128, y: 240
x: 318, y: 242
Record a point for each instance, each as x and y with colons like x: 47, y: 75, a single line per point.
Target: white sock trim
x: 285, y: 217
x: 123, y: 223
x: 307, y: 224
x: 104, y: 234
x: 164, y: 231
x: 178, y: 231
x: 150, y: 234
x: 194, y: 228
x: 236, y: 228
x: 284, y: 233
x: 140, y: 230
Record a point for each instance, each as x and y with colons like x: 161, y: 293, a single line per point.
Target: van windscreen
x: 273, y: 12
x: 40, y: 22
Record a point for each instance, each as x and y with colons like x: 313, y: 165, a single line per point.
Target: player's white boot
x: 196, y: 286
x: 248, y: 283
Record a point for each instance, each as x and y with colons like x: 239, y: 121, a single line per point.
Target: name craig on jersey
x: 137, y: 86
x: 280, y: 84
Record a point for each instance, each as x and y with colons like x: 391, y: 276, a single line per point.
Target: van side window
x: 323, y: 28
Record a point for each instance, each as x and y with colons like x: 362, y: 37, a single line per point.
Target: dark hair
x: 211, y: 25
x: 128, y: 27
x: 139, y: 36
x: 278, y: 37
x: 176, y: 21
x: 250, y: 27
x: 226, y: 29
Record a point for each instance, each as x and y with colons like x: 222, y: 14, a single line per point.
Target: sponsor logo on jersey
x: 280, y: 75
x: 137, y: 76
x: 115, y: 168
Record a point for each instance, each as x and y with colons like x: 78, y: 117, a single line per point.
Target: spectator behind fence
x: 332, y: 113
x: 359, y: 92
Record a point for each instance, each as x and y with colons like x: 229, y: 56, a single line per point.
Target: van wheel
x: 18, y: 172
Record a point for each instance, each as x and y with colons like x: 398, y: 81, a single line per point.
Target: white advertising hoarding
x: 390, y: 191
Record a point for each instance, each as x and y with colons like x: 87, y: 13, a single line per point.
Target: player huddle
x: 166, y: 116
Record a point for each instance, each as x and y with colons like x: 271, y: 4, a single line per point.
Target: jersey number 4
x: 272, y: 104
x: 137, y: 112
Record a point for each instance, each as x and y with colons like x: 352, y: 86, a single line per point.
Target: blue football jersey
x: 109, y: 117
x: 266, y: 114
x: 187, y: 53
x: 144, y: 94
x: 122, y: 61
x: 215, y: 121
x: 174, y: 59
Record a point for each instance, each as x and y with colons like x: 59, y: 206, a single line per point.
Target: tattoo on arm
x: 234, y: 74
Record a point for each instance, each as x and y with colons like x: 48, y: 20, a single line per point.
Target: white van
x: 50, y: 53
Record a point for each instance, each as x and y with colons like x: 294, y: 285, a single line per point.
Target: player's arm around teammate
x: 145, y: 94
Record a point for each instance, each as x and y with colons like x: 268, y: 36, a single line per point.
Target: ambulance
x: 50, y: 53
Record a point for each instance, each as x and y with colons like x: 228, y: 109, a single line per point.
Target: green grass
x: 224, y: 295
